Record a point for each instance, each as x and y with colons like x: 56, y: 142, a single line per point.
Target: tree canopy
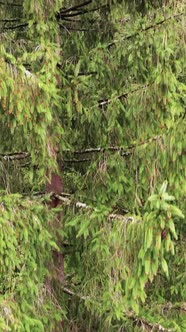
x: 92, y: 92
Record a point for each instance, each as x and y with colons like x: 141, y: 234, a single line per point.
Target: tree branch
x: 74, y: 8
x: 138, y: 321
x: 146, y: 29
x: 123, y: 95
x: 66, y: 200
x: 141, y: 322
x: 10, y: 4
x: 72, y: 293
x: 123, y: 150
x: 80, y: 205
x: 21, y: 25
x: 61, y: 15
x: 14, y: 156
x: 75, y: 29
x: 76, y: 161
x: 9, y: 20
x: 171, y: 306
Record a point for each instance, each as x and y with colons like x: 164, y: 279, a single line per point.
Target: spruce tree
x: 92, y: 165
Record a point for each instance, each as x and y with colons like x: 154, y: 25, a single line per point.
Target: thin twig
x: 72, y: 293
x: 141, y: 322
x: 76, y: 29
x: 76, y: 161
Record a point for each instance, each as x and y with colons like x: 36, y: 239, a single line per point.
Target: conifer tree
x: 92, y: 165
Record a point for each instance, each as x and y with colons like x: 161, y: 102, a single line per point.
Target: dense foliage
x: 94, y: 92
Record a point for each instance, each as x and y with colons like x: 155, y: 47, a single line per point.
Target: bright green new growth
x: 26, y: 243
x: 100, y: 87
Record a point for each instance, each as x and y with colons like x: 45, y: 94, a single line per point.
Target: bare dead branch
x: 14, y: 156
x: 80, y: 205
x: 67, y: 200
x: 123, y: 150
x: 72, y: 293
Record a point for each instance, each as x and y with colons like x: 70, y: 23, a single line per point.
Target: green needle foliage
x: 93, y: 91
